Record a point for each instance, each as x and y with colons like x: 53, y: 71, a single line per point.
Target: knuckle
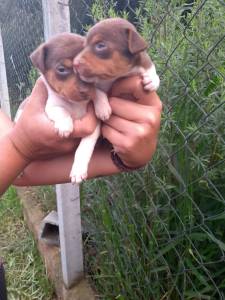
x: 141, y: 130
x: 89, y: 130
x: 160, y: 105
x: 112, y: 100
x: 151, y: 118
x: 137, y: 83
x: 129, y: 144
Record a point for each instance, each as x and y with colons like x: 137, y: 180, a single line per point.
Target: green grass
x: 25, y: 273
x: 45, y: 196
x: 159, y: 233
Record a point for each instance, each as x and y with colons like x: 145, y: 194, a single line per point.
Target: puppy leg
x: 62, y: 120
x: 102, y: 108
x: 151, y: 80
x: 83, y: 155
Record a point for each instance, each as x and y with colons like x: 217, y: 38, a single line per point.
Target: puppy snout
x: 76, y: 65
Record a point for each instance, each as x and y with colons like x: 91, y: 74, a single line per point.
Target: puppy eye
x: 100, y: 46
x: 61, y: 70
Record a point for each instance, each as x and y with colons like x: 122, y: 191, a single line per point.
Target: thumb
x: 126, y: 87
x: 39, y: 92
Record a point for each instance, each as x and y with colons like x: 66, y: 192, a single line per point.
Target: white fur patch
x: 102, y: 107
x: 62, y: 112
x: 151, y: 79
x: 83, y: 156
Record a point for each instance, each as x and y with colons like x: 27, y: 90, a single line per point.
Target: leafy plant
x: 25, y: 273
x: 159, y: 233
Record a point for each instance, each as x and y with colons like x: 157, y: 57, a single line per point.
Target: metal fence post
x: 4, y: 94
x: 57, y: 19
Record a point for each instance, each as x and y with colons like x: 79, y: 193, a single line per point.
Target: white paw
x: 103, y: 112
x: 78, y: 173
x: 64, y: 127
x: 151, y: 82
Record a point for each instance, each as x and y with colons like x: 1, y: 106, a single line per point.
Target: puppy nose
x: 76, y: 65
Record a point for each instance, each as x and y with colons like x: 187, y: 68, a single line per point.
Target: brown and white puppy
x: 114, y: 49
x: 68, y: 95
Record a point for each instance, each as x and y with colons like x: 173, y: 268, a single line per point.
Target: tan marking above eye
x: 96, y: 39
x: 69, y: 88
x: 68, y: 63
x: 115, y: 66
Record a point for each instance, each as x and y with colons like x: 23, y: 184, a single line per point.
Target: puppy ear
x: 136, y: 43
x: 38, y: 57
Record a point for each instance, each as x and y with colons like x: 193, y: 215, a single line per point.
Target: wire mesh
x: 22, y: 32
x: 156, y: 233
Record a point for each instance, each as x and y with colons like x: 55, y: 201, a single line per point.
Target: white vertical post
x: 57, y: 19
x: 68, y: 203
x: 4, y: 95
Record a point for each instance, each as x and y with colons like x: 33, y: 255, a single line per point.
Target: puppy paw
x: 151, y: 83
x: 102, y: 107
x: 104, y: 112
x: 151, y: 80
x: 78, y: 174
x: 64, y: 127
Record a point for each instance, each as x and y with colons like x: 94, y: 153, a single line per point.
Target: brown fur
x: 94, y: 66
x: 125, y: 49
x: 58, y: 52
x: 70, y: 88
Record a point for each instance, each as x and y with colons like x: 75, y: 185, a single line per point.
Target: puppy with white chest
x: 68, y: 95
x: 114, y: 49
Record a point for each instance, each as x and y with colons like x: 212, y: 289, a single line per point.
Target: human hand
x: 5, y: 124
x: 132, y: 130
x: 134, y: 125
x: 34, y: 135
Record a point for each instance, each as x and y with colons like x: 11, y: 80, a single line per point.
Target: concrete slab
x: 49, y: 229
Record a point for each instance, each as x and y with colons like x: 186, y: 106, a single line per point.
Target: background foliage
x: 157, y: 233
x: 26, y: 277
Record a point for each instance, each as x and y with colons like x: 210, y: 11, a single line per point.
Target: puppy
x: 114, y: 49
x: 68, y: 95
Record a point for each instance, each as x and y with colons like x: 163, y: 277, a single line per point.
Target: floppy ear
x: 38, y: 57
x: 136, y: 43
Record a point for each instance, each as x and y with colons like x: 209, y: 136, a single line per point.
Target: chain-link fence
x: 22, y: 32
x: 157, y: 233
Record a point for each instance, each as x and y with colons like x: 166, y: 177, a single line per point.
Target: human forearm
x: 57, y: 170
x: 11, y: 163
x: 5, y: 124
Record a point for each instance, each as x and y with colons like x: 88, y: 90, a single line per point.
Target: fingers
x: 133, y: 111
x: 134, y: 86
x: 126, y: 85
x: 116, y: 138
x: 126, y: 126
x: 86, y: 125
x: 123, y: 133
x: 133, y: 125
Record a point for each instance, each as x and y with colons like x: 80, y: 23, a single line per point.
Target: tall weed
x: 159, y: 233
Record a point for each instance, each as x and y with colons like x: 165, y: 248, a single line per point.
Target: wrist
x: 12, y: 163
x: 121, y: 164
x: 21, y: 144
